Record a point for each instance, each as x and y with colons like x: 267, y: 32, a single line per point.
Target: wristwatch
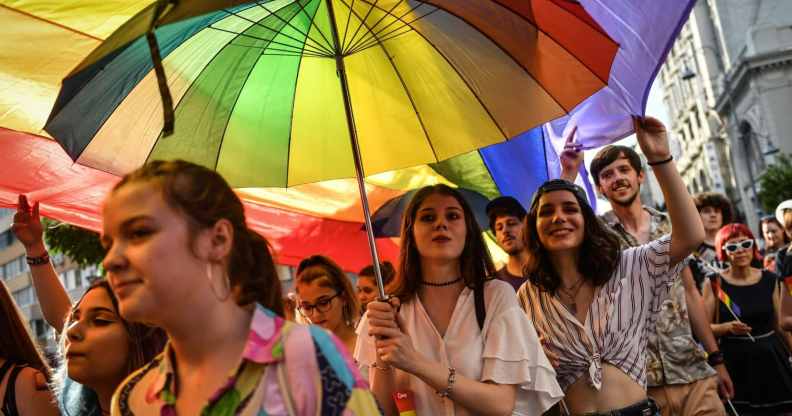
x: 714, y: 358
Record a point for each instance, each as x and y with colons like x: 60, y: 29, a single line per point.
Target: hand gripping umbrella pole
x: 341, y: 71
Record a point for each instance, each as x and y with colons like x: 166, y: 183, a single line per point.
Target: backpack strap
x: 481, y: 311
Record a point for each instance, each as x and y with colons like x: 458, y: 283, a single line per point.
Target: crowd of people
x: 634, y: 312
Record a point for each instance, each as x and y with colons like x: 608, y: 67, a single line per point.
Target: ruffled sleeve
x: 513, y: 355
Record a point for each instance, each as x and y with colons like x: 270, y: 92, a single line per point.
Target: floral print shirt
x: 673, y: 356
x: 286, y: 369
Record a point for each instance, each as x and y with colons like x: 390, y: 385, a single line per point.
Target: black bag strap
x: 9, y: 400
x: 478, y: 298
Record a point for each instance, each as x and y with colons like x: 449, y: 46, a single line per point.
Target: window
x: 39, y: 328
x: 69, y: 280
x: 78, y: 281
x: 6, y: 239
x: 12, y: 268
x: 24, y: 297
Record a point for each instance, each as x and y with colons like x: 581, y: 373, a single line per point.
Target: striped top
x: 622, y: 312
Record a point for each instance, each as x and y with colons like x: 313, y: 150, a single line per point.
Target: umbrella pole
x: 341, y: 71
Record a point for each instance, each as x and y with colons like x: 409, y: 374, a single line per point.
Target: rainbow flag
x: 724, y: 297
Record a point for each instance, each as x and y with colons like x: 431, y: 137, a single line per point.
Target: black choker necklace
x: 448, y: 283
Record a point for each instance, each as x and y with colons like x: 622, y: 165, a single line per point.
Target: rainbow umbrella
x: 287, y: 92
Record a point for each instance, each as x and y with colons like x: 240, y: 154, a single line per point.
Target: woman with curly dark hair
x: 456, y: 340
x: 595, y: 303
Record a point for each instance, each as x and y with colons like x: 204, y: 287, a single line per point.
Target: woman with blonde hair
x: 23, y: 371
x: 326, y: 298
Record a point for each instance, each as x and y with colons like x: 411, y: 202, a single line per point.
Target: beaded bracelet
x: 38, y: 261
x: 451, y: 378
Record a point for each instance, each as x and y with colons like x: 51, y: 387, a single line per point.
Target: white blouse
x: 505, y: 351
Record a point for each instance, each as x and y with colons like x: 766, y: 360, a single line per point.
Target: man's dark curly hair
x: 715, y: 200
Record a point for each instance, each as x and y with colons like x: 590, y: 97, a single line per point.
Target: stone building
x: 728, y: 88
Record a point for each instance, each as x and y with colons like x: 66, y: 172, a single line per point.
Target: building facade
x: 15, y: 273
x: 728, y: 86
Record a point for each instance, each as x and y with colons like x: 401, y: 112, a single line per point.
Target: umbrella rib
x: 277, y: 16
x: 362, y: 20
x: 409, y: 96
x: 307, y: 36
x: 346, y: 27
x: 467, y: 84
x: 354, y: 42
x: 390, y: 34
x: 257, y: 38
x: 509, y: 54
x: 277, y: 32
x: 556, y: 41
x: 313, y: 23
x: 357, y: 43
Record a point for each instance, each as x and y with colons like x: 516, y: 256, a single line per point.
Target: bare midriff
x: 618, y: 390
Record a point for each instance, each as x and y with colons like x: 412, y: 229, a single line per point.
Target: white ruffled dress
x: 505, y: 351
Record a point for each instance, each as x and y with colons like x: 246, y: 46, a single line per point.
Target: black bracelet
x: 714, y: 358
x: 661, y: 162
x: 38, y: 261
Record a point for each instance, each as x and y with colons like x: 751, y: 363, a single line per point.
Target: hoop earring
x: 210, y: 278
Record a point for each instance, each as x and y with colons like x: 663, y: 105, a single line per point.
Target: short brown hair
x: 610, y: 154
x: 715, y: 200
x: 204, y: 197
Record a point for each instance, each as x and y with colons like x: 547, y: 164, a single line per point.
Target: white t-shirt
x: 505, y: 351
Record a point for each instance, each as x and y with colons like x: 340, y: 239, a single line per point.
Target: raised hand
x: 27, y: 226
x: 571, y: 157
x: 652, y: 137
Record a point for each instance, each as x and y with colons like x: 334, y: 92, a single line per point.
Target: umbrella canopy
x: 387, y: 219
x: 257, y: 96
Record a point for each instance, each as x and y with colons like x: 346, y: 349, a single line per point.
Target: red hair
x: 730, y: 231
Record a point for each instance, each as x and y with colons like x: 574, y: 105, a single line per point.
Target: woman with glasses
x: 453, y: 340
x: 326, y: 298
x: 744, y: 303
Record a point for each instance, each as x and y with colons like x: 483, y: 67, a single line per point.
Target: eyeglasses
x: 324, y: 305
x: 744, y: 244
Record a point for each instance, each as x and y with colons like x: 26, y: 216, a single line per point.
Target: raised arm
x: 687, y: 232
x: 54, y: 301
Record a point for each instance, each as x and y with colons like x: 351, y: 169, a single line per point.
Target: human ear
x: 221, y: 239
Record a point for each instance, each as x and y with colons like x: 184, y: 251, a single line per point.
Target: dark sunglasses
x: 744, y: 244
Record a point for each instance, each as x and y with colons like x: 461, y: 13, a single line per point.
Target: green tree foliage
x: 776, y: 183
x: 79, y: 244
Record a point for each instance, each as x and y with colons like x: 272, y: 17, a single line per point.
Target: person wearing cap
x: 679, y: 377
x: 597, y: 301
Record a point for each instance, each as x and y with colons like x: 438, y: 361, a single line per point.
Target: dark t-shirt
x: 515, y: 281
